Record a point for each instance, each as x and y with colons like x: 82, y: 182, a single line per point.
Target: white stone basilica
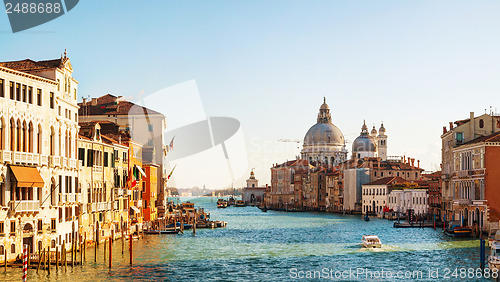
x: 324, y: 143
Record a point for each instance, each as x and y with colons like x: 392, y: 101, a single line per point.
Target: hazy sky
x: 415, y: 65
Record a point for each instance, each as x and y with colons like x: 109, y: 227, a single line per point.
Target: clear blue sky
x: 415, y: 65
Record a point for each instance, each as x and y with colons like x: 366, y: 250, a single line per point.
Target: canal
x: 260, y: 246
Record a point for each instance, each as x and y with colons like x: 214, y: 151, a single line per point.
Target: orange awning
x: 27, y: 176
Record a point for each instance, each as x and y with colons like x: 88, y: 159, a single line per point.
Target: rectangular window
x: 124, y: 156
x: 460, y: 137
x: 75, y: 93
x: 59, y: 110
x: 12, y: 90
x: 90, y: 158
x: 150, y: 141
x: 39, y: 96
x: 25, y: 96
x: 81, y: 155
x: 60, y: 215
x: 2, y: 88
x: 12, y: 227
x: 52, y: 100
x: 150, y: 127
x: 18, y: 91
x: 58, y: 85
x: 2, y: 228
x: 30, y: 95
x: 106, y: 158
x: 77, y: 186
x: 60, y: 184
x: 40, y: 226
x: 53, y: 224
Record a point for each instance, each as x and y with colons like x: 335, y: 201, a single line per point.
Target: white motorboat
x: 371, y: 241
x: 494, y: 259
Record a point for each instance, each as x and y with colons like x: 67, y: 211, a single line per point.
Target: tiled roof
x: 495, y: 137
x: 387, y: 181
x: 112, y: 105
x: 28, y: 64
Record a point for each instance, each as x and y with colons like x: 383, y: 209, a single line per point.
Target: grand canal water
x: 261, y: 246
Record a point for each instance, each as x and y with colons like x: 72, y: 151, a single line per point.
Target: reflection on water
x: 265, y: 246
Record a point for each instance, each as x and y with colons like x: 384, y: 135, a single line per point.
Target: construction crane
x: 290, y: 140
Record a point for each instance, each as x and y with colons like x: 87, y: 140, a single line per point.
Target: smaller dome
x: 381, y: 129
x: 364, y: 142
x: 374, y: 131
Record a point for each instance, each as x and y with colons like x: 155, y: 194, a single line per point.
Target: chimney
x: 444, y: 129
x: 412, y: 162
x: 471, y: 126
x: 451, y: 125
x: 418, y: 163
x: 404, y: 159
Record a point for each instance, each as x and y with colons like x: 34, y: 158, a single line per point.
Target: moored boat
x: 371, y: 241
x: 239, y: 203
x: 366, y: 218
x: 494, y: 258
x: 221, y: 204
x: 455, y: 230
x: 178, y: 225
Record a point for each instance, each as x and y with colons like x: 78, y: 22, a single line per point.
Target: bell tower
x: 382, y: 143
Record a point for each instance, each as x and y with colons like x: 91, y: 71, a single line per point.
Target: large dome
x: 324, y: 134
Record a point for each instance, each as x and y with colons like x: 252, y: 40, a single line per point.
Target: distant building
x: 435, y: 194
x: 409, y: 196
x: 282, y: 192
x: 370, y: 145
x: 253, y: 194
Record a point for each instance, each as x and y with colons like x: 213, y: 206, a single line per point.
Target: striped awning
x: 136, y: 210
x: 140, y: 170
x: 27, y: 176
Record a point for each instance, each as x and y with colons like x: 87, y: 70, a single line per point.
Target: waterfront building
x: 253, y: 194
x: 149, y: 194
x: 145, y: 127
x: 324, y: 143
x: 102, y: 176
x: 375, y: 194
x: 409, y: 196
x: 356, y: 172
x: 135, y: 184
x: 465, y: 170
x: 476, y: 182
x: 334, y: 191
x: 435, y: 196
x: 39, y: 196
x: 282, y: 192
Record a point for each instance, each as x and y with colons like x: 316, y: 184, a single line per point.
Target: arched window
x: 12, y: 135
x: 2, y: 250
x: 2, y: 136
x: 30, y: 137
x: 52, y: 141
x: 69, y: 145
x: 39, y: 140
x: 19, y: 135
x: 13, y: 248
x: 25, y: 137
x: 60, y: 143
x: 481, y: 123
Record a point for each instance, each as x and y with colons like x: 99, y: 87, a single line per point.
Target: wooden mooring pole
x: 57, y: 258
x: 130, y: 247
x: 48, y: 260
x: 110, y: 251
x: 105, y: 241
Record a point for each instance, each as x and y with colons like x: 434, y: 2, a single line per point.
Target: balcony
x: 44, y: 160
x: 54, y: 161
x: 463, y: 202
x: 6, y: 156
x: 24, y: 206
x: 97, y: 169
x: 73, y: 164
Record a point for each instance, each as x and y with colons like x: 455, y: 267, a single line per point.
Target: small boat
x: 263, y: 208
x: 371, y: 241
x: 221, y: 204
x: 178, y: 225
x: 167, y: 231
x: 239, y: 203
x: 366, y: 218
x: 456, y: 230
